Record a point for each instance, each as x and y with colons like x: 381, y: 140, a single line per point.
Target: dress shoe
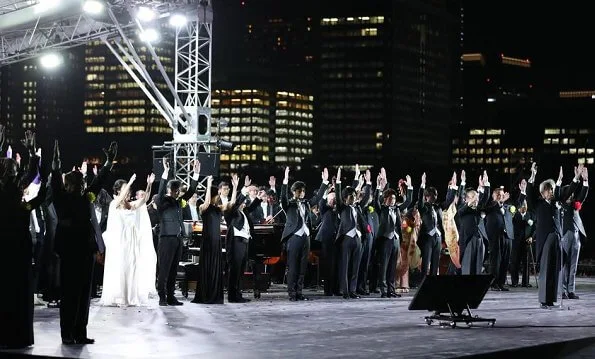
x: 572, y: 296
x: 85, y: 341
x: 238, y: 300
x: 68, y: 341
x: 174, y: 301
x: 383, y: 295
x: 393, y: 295
x: 503, y: 288
x: 495, y: 288
x: 527, y: 285
x: 300, y: 297
x: 163, y: 302
x: 353, y: 296
x: 362, y: 292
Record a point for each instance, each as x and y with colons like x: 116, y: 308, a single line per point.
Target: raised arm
x: 582, y: 196
x: 235, y: 180
x: 284, y: 198
x: 338, y: 197
x: 323, y: 186
x: 162, y: 184
x: 110, y: 155
x: 207, y: 202
x: 193, y: 180
x: 409, y: 196
x: 420, y: 195
x: 121, y: 197
x: 530, y: 189
x: 140, y: 202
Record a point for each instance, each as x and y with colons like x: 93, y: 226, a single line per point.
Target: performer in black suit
x: 77, y: 242
x: 326, y: 236
x: 349, y: 234
x: 501, y: 233
x: 389, y: 209
x: 296, y: 234
x: 431, y: 231
x: 471, y: 241
x: 573, y: 230
x: 524, y: 229
x: 16, y: 301
x: 548, y: 233
x: 171, y: 231
x: 239, y: 234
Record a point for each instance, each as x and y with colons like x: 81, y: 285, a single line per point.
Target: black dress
x: 210, y: 286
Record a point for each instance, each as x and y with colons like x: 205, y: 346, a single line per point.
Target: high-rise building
x: 385, y: 83
x: 498, y: 95
x: 116, y: 108
x: 46, y: 101
x: 269, y: 128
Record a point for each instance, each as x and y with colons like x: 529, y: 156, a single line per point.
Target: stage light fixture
x: 225, y: 145
x: 50, y: 60
x: 149, y: 35
x: 45, y: 5
x: 177, y: 20
x: 93, y: 7
x: 145, y: 14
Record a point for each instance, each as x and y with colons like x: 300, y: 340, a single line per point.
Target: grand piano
x: 264, y: 246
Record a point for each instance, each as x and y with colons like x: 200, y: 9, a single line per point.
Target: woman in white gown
x: 130, y: 258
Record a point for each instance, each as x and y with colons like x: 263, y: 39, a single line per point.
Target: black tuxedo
x: 500, y: 235
x: 327, y: 231
x: 431, y: 231
x: 548, y: 233
x: 77, y: 239
x: 389, y: 236
x: 351, y: 244
x: 171, y: 228
x: 524, y: 228
x: 471, y: 238
x: 236, y: 247
x: 298, y: 246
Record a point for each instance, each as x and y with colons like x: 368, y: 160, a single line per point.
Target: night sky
x: 558, y: 39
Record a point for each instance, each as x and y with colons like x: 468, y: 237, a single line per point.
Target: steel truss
x: 190, y: 113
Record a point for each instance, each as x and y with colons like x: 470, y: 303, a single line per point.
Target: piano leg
x: 257, y: 269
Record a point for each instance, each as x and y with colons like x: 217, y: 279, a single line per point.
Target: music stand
x: 452, y: 294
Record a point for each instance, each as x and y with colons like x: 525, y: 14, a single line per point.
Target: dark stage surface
x: 326, y: 327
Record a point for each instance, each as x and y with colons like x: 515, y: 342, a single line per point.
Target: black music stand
x: 452, y: 294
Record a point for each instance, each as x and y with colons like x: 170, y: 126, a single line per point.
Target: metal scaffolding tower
x: 31, y: 28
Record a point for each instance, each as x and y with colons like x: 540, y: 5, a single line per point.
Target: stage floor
x: 324, y: 327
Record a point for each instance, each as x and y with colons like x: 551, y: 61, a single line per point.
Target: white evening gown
x: 130, y: 258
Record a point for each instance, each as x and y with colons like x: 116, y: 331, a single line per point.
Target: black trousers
x: 298, y: 248
x: 168, y: 257
x: 76, y: 275
x: 329, y: 265
x: 388, y: 254
x: 236, y: 250
x: 364, y: 264
x: 351, y: 253
x: 431, y: 246
x: 519, y: 262
x: 499, y: 258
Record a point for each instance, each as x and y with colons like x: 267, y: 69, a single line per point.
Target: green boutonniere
x: 512, y: 209
x: 183, y: 203
x: 370, y: 209
x: 91, y: 197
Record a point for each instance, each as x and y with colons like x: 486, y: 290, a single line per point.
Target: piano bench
x: 187, y: 271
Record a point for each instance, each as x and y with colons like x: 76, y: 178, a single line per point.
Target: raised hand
x: 423, y: 179
x: 286, y: 178
x: 368, y: 176
x: 17, y: 158
x: 196, y: 167
x: 111, y: 152
x: 339, y: 174
x: 165, y: 164
x: 132, y: 179
x: 272, y: 181
x: 578, y: 170
x: 506, y: 197
x: 209, y: 181
x: 463, y: 176
x: 534, y: 168
x: 480, y: 181
x: 325, y: 174
x: 357, y: 171
x: 585, y: 174
x: 561, y: 174
x: 56, y: 161
x: 95, y: 170
x: 383, y: 172
x: 379, y: 181
x: 151, y: 178
x: 235, y: 180
x: 84, y: 168
x: 453, y: 180
x: 29, y: 142
x: 408, y: 181
x: 247, y: 181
